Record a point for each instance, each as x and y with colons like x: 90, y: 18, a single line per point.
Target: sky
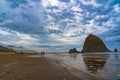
x: 58, y: 25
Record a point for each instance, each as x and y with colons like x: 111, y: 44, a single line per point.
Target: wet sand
x: 20, y: 67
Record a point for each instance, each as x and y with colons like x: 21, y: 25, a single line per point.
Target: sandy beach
x: 20, y: 67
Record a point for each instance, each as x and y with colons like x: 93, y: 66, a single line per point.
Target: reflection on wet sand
x: 103, y: 66
x: 73, y: 55
x: 95, y: 62
x: 116, y: 56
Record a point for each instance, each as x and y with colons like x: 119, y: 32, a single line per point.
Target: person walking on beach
x: 42, y: 53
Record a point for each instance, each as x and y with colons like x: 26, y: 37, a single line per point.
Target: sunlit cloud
x: 90, y: 2
x: 9, y: 37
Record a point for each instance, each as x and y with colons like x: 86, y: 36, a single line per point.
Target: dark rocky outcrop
x: 94, y: 44
x: 5, y: 49
x: 115, y: 50
x: 74, y: 50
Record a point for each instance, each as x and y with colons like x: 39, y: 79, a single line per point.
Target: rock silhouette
x: 115, y: 50
x: 94, y: 44
x: 74, y: 50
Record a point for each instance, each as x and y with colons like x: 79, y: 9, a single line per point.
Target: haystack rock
x: 74, y: 50
x: 94, y: 44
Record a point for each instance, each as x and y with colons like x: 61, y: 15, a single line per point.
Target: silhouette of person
x: 43, y: 53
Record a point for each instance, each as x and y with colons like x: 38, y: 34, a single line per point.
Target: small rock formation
x: 94, y: 44
x: 74, y: 50
x: 115, y: 50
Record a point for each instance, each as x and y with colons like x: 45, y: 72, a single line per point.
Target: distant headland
x: 5, y: 49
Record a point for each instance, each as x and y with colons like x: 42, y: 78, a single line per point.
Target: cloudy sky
x: 58, y: 25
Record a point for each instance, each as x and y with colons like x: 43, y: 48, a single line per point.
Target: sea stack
x: 94, y: 44
x: 74, y: 50
x: 115, y: 50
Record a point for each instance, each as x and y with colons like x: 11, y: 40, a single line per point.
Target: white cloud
x: 112, y: 38
x: 98, y: 17
x: 90, y: 2
x: 117, y: 8
x: 76, y: 8
x: 3, y: 32
x: 49, y: 18
x: 53, y: 26
x: 110, y: 24
x: 25, y: 37
x: 75, y: 31
x: 58, y: 3
x: 61, y: 5
x: 68, y: 40
x: 78, y: 17
x: 46, y: 3
x: 20, y: 14
x: 10, y: 37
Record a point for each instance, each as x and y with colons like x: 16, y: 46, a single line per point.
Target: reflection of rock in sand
x: 95, y: 62
x: 115, y: 50
x: 116, y: 56
x: 74, y: 55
